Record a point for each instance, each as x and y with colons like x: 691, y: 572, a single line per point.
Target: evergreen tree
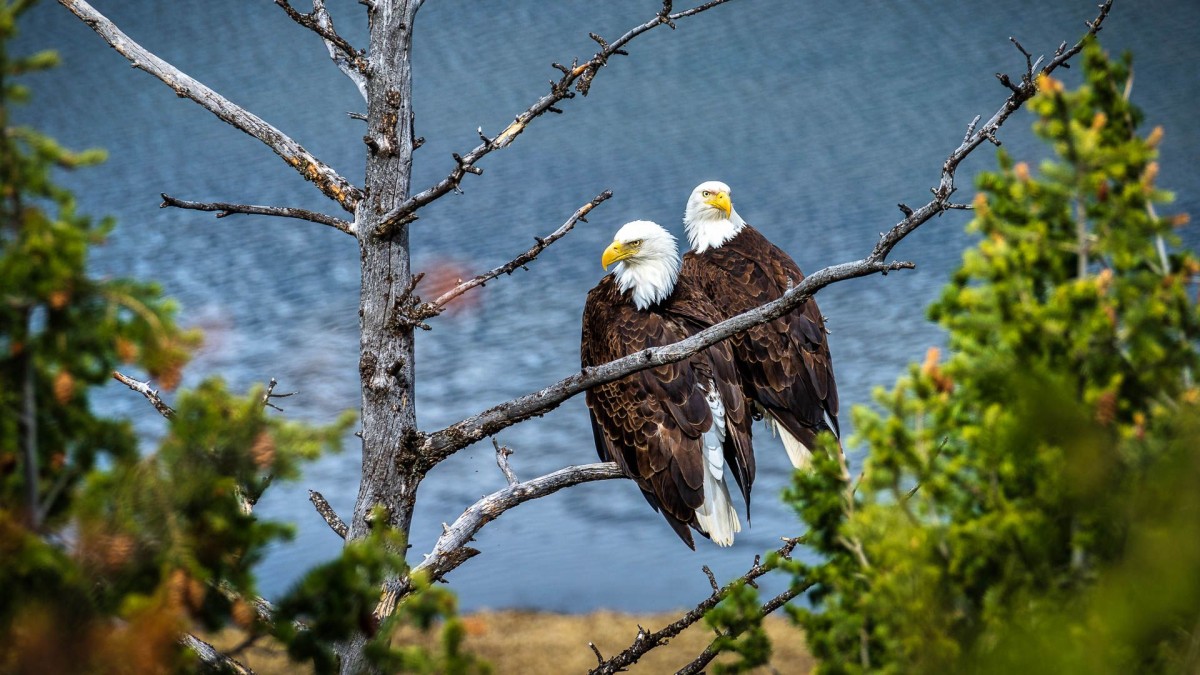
x: 1029, y: 502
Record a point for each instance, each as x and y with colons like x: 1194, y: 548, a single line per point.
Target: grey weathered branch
x: 331, y: 517
x: 451, y: 548
x: 440, y: 444
x: 224, y: 209
x: 144, y: 389
x: 325, y: 178
x: 578, y: 76
x: 645, y: 641
x: 432, y: 309
x: 348, y: 59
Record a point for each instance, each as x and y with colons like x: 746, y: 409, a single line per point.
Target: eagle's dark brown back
x: 785, y: 364
x: 651, y: 422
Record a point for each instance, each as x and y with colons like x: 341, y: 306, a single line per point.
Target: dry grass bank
x: 537, y: 643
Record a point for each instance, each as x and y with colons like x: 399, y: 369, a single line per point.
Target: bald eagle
x: 677, y: 430
x: 785, y: 365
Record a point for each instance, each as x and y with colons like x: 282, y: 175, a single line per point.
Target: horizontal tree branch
x: 224, y: 209
x: 451, y: 548
x: 325, y: 178
x: 441, y: 444
x: 577, y: 75
x: 432, y: 309
x: 644, y: 642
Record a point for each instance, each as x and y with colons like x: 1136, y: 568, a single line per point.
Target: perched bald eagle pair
x: 682, y: 429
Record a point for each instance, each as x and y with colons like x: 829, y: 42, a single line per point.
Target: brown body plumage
x: 784, y: 365
x: 653, y: 423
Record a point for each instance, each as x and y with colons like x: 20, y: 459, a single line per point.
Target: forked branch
x: 325, y: 178
x: 352, y: 62
x: 451, y: 549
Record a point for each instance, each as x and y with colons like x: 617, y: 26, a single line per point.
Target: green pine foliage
x: 62, y: 331
x: 110, y: 554
x: 1029, y: 502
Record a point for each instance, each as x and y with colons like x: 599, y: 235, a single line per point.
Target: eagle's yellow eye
x: 636, y: 242
x: 706, y: 193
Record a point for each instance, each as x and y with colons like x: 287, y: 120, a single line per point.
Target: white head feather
x: 709, y: 218
x: 647, y: 262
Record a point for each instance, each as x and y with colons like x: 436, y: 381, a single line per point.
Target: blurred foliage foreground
x: 1031, y: 501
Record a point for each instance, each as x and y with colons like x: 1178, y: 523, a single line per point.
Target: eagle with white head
x: 785, y: 365
x: 679, y: 430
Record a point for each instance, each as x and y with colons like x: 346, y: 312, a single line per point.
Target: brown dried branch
x: 577, y: 75
x: 432, y: 309
x: 451, y: 548
x: 441, y: 444
x: 644, y: 641
x: 325, y: 178
x: 332, y: 519
x: 224, y: 209
x: 144, y: 389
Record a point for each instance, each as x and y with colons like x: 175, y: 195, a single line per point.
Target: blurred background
x: 820, y: 115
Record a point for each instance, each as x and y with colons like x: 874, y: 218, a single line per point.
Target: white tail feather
x: 716, y: 516
x: 798, y: 453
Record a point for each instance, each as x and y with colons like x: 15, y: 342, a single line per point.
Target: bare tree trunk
x: 390, y: 470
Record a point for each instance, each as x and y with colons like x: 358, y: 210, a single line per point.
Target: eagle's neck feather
x: 704, y: 231
x: 651, y: 278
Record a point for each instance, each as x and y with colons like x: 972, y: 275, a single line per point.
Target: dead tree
x: 397, y: 453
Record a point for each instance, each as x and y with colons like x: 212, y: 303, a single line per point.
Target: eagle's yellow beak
x: 720, y: 201
x: 616, y: 251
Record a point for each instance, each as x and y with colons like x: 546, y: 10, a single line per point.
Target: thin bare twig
x: 578, y: 76
x: 431, y: 309
x: 710, y: 652
x: 646, y: 641
x: 144, y: 389
x: 224, y: 209
x: 325, y: 178
x: 332, y: 519
x: 441, y: 444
